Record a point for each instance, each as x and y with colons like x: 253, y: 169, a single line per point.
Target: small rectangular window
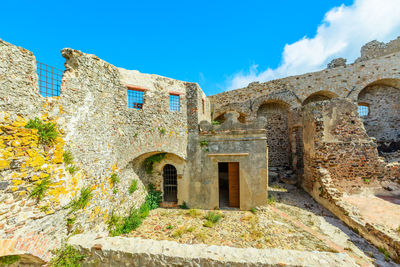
x: 203, y: 105
x: 363, y: 111
x: 135, y: 99
x: 174, y: 102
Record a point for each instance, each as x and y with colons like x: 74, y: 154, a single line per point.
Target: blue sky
x: 219, y: 44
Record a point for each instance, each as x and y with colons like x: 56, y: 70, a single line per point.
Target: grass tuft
x: 133, y: 187
x: 72, y: 169
x: 213, y: 217
x: 8, y: 260
x: 68, y: 158
x: 81, y: 202
x: 47, y: 131
x: 40, y: 189
x: 66, y: 256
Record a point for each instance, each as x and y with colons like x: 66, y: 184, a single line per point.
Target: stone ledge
x: 145, y: 252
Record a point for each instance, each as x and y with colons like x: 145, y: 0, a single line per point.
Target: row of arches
x: 379, y: 108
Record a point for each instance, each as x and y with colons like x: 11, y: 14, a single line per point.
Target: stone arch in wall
x: 319, y: 96
x: 155, y: 176
x: 276, y: 114
x: 382, y: 121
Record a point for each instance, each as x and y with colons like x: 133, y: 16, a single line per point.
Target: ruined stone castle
x: 335, y: 133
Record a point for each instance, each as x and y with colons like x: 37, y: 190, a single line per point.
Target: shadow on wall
x: 379, y: 107
x: 319, y: 96
x: 157, y: 168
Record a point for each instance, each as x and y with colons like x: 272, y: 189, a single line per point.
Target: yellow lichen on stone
x: 17, y: 182
x: 4, y: 164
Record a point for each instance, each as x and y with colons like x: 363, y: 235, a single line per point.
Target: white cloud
x: 342, y: 33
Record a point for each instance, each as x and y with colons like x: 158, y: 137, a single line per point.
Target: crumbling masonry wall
x: 99, y: 129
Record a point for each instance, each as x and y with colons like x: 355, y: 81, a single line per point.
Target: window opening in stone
x: 49, y: 80
x: 174, y: 102
x: 170, y: 183
x: 363, y: 110
x: 135, y: 99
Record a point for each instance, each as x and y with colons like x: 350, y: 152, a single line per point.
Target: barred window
x: 363, y: 110
x: 49, y: 80
x: 174, y: 102
x: 135, y: 99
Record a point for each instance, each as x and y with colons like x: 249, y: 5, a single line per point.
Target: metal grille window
x: 174, y: 102
x: 363, y: 110
x: 135, y: 99
x: 170, y: 183
x: 49, y: 80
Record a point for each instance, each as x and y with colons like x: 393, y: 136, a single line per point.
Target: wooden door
x: 234, y: 185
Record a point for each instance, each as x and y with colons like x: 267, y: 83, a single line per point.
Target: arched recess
x: 221, y: 118
x: 276, y: 114
x: 319, y: 96
x: 382, y: 121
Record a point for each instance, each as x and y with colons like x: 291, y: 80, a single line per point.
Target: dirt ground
x: 292, y: 220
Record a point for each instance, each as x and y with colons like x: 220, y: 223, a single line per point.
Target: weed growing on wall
x: 204, y: 145
x: 118, y: 225
x: 184, y: 206
x: 40, y: 189
x: 66, y: 256
x: 47, y: 131
x: 162, y: 130
x: 215, y: 122
x: 68, y: 158
x: 149, y: 162
x: 114, y: 178
x: 82, y: 201
x: 8, y: 260
x: 133, y: 187
x: 72, y: 169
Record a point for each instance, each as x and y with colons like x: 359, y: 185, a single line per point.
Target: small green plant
x: 40, y: 189
x: 208, y: 224
x: 114, y: 178
x: 71, y: 221
x: 385, y: 253
x: 68, y: 158
x: 47, y: 131
x: 184, y: 206
x: 190, y: 229
x: 398, y: 229
x: 194, y: 213
x: 66, y: 256
x: 215, y: 122
x: 271, y: 200
x: 253, y: 210
x: 170, y: 227
x: 8, y: 260
x: 162, y: 130
x: 44, y: 208
x: 115, y: 190
x: 72, y: 169
x: 213, y: 217
x: 204, y: 145
x: 133, y: 187
x: 82, y: 201
x: 153, y: 198
x: 149, y: 162
x: 178, y: 233
x: 367, y: 180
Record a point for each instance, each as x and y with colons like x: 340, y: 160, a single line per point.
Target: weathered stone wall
x: 277, y: 126
x: 376, y: 49
x: 383, y: 120
x: 96, y: 125
x: 339, y: 159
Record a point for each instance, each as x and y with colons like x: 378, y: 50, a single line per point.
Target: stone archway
x: 276, y: 114
x: 319, y: 96
x: 379, y: 104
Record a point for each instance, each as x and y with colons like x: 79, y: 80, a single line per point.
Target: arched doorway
x: 277, y: 116
x: 379, y: 108
x: 170, y: 183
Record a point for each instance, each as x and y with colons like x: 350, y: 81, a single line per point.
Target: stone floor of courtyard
x: 293, y: 221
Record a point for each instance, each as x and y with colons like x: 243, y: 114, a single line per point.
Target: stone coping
x: 146, y: 252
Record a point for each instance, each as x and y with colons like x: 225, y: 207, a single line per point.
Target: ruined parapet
x: 337, y: 62
x: 231, y: 123
x: 376, y: 49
